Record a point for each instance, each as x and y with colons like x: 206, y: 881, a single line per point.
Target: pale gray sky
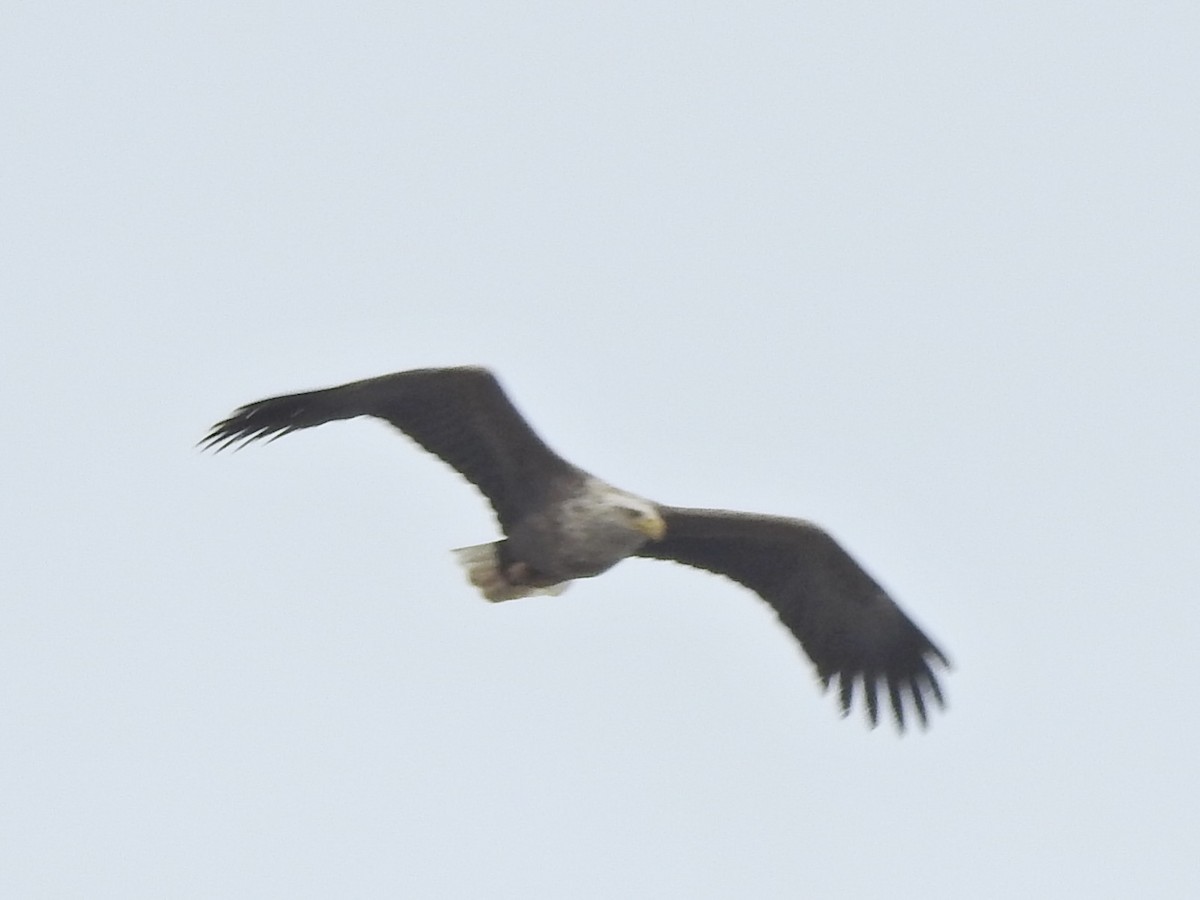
x: 924, y: 273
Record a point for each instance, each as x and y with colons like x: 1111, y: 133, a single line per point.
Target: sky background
x: 924, y: 273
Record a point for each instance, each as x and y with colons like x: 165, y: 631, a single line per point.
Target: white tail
x: 483, y: 569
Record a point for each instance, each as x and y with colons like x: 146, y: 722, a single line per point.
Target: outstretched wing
x: 847, y: 624
x: 461, y: 414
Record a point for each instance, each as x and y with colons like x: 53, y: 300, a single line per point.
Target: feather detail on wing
x: 462, y: 415
x: 847, y: 624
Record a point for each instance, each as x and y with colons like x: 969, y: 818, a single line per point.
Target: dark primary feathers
x: 854, y: 633
x: 847, y: 624
x: 461, y: 415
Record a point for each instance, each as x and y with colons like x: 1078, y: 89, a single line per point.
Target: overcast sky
x: 924, y: 273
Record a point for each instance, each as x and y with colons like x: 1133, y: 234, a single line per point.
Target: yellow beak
x: 653, y: 527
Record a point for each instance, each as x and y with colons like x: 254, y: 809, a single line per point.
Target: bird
x: 561, y: 523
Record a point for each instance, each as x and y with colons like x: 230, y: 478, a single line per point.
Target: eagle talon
x: 519, y: 574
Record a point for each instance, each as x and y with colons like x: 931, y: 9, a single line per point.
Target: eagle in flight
x: 561, y: 523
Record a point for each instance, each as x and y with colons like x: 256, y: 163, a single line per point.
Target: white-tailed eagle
x: 560, y: 523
